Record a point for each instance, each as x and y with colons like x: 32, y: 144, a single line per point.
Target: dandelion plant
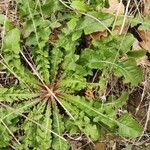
x: 50, y: 99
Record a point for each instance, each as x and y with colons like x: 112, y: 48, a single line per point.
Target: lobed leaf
x: 15, y: 94
x: 58, y: 127
x: 129, y: 127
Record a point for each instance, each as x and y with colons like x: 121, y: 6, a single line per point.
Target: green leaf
x: 131, y: 72
x: 79, y: 5
x: 118, y: 20
x: 42, y: 62
x: 56, y: 58
x: 91, y: 129
x: 72, y: 23
x: 50, y: 7
x: 129, y: 127
x: 76, y: 35
x: 119, y: 43
x: 4, y: 21
x: 71, y: 127
x: 7, y: 126
x: 48, y: 122
x: 106, y: 56
x: 145, y: 23
x: 5, y: 137
x: 11, y: 52
x: 128, y: 69
x: 90, y: 110
x: 58, y: 126
x: 69, y: 60
x: 15, y: 94
x: 82, y: 122
x: 111, y: 107
x: 99, y: 4
x: 75, y: 83
x: 137, y: 53
x: 12, y: 42
x: 126, y: 42
x: 90, y: 25
x: 119, y: 102
x: 37, y: 34
x: 36, y: 136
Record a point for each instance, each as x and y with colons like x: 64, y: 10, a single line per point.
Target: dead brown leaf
x: 115, y: 7
x: 89, y: 94
x: 118, y: 29
x: 146, y: 7
x: 143, y: 61
x: 95, y: 36
x: 98, y: 35
x: 145, y: 43
x: 53, y: 38
x: 100, y: 146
